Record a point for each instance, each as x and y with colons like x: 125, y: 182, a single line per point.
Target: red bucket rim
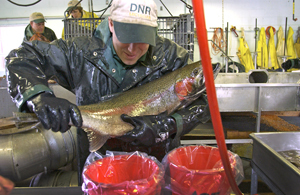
x: 204, y: 171
x: 154, y: 176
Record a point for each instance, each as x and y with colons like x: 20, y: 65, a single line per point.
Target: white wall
x: 239, y: 13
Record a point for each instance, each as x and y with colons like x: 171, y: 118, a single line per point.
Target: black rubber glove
x: 149, y: 129
x: 54, y: 113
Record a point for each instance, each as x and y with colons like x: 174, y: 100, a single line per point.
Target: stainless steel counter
x: 279, y: 174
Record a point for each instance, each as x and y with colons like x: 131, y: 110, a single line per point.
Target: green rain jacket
x: 84, y: 66
x: 48, y: 33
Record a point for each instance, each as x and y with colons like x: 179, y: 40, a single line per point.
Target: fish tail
x: 25, y: 119
x: 96, y: 139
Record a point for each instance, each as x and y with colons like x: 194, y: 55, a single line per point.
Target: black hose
x: 105, y: 9
x: 188, y: 6
x: 24, y: 5
x: 165, y: 7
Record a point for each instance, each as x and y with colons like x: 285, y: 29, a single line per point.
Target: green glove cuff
x: 30, y: 93
x: 179, y: 123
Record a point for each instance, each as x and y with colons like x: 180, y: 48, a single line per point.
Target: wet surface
x: 292, y: 156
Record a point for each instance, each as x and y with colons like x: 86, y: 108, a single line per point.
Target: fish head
x: 193, y: 84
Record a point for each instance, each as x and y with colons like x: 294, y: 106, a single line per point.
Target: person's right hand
x: 6, y: 186
x: 55, y: 113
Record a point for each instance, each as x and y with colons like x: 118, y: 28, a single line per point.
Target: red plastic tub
x: 198, y: 169
x: 123, y: 174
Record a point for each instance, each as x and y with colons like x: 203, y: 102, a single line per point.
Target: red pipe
x: 211, y: 91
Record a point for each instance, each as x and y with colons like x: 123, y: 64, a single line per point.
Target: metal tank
x: 57, y: 178
x: 26, y: 154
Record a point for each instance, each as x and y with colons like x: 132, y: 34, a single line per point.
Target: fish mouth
x: 200, y: 81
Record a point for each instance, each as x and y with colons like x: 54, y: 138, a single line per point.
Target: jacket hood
x: 28, y: 32
x: 102, y: 31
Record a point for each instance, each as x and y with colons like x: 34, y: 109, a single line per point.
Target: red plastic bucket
x: 123, y: 174
x: 198, y: 169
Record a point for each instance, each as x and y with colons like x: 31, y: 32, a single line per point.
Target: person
x: 125, y: 52
x: 75, y: 11
x: 6, y: 186
x: 37, y: 27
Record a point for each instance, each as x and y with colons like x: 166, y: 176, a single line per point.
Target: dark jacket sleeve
x: 29, y: 68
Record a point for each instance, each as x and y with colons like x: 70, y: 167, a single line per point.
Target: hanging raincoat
x: 262, y: 50
x: 280, y: 46
x: 245, y: 55
x: 290, y: 45
x: 273, y: 63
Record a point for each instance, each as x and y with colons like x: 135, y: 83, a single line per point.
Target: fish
x: 168, y: 93
x: 39, y: 37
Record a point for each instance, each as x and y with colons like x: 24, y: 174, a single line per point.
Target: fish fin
x: 96, y: 140
x: 25, y: 120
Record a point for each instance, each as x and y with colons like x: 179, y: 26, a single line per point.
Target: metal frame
x: 80, y: 27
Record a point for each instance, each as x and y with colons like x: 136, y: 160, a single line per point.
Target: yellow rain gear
x: 290, y: 44
x: 85, y: 23
x: 273, y: 63
x: 280, y: 46
x: 244, y: 54
x: 262, y: 50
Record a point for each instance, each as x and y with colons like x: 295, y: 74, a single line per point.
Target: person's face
x: 76, y: 13
x: 129, y: 53
x: 38, y: 27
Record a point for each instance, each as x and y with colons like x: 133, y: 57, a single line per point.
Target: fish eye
x: 195, y: 72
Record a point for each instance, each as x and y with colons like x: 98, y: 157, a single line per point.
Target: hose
x: 211, y: 91
x: 24, y: 5
x: 218, y: 41
x: 166, y: 7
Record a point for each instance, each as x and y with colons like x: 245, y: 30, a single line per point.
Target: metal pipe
x: 26, y: 154
x: 226, y: 64
x: 227, y: 39
x: 221, y: 50
x: 255, y: 38
x: 285, y: 36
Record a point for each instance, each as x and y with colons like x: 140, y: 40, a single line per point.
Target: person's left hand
x: 6, y: 186
x: 149, y: 130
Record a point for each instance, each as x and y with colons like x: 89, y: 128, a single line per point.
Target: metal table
x: 278, y: 173
x: 256, y: 171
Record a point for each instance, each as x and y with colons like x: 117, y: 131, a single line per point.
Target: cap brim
x: 39, y: 21
x: 71, y: 8
x: 135, y: 33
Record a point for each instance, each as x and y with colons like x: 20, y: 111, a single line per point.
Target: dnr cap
x: 135, y: 21
x: 37, y: 17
